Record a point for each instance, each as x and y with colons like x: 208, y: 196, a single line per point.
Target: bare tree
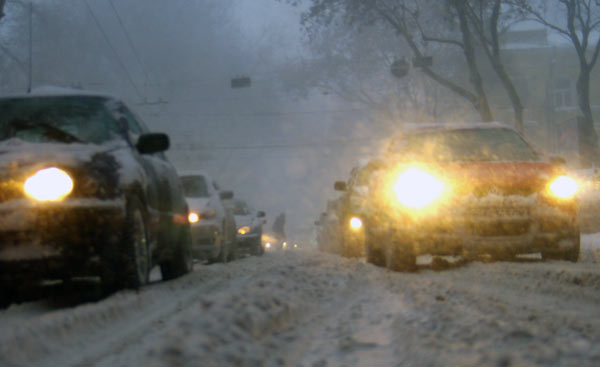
x: 579, y: 22
x: 489, y: 21
x: 2, y: 2
x: 403, y: 18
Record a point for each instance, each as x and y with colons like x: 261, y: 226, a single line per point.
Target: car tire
x: 400, y: 255
x: 8, y: 295
x: 258, y: 248
x: 568, y: 250
x: 374, y: 252
x: 232, y: 254
x: 181, y: 261
x: 130, y: 265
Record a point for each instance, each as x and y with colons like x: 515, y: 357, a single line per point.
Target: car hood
x: 505, y: 178
x: 16, y: 152
x: 243, y: 220
x: 19, y: 157
x: 198, y: 204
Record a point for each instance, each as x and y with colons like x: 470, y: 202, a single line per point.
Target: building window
x: 563, y: 93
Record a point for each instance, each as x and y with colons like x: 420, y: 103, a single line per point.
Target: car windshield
x: 56, y: 119
x: 194, y: 186
x: 465, y: 145
x: 240, y: 208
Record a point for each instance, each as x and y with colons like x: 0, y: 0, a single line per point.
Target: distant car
x: 213, y: 224
x: 471, y: 190
x: 249, y: 224
x: 86, y: 191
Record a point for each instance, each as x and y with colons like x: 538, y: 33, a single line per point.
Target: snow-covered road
x: 318, y: 310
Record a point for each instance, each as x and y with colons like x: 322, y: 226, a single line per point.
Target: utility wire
x: 131, y: 44
x: 113, y: 49
x: 350, y: 141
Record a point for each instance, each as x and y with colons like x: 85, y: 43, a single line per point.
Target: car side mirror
x: 226, y: 195
x: 152, y: 143
x: 340, y: 186
x: 260, y: 214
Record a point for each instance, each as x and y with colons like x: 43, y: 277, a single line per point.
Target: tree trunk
x: 2, y: 2
x: 588, y: 149
x: 515, y: 100
x: 482, y: 104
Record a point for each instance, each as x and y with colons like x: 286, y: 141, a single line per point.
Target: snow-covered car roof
x: 54, y: 91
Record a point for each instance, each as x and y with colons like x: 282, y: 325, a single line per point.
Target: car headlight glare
x: 416, y: 188
x: 355, y: 223
x: 193, y: 217
x: 244, y: 230
x: 48, y: 184
x: 563, y: 187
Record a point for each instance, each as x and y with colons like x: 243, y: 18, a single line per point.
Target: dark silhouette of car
x: 86, y: 190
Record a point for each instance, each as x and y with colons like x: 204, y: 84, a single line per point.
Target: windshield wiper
x: 49, y: 131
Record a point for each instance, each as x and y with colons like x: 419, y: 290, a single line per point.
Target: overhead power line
x: 114, y: 51
x: 302, y: 145
x: 131, y: 44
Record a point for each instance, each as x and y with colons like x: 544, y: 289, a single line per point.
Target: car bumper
x: 68, y: 236
x: 248, y: 240
x: 486, y: 229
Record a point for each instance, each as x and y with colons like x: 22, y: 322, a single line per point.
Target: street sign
x: 241, y: 82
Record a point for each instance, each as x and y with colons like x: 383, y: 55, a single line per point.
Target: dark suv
x: 86, y: 191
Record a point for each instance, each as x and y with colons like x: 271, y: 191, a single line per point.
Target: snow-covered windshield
x: 56, y: 119
x: 466, y: 145
x: 194, y: 186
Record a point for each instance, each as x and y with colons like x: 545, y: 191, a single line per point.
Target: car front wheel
x: 181, y: 261
x: 374, y: 251
x: 127, y: 264
x: 400, y: 254
x: 567, y: 249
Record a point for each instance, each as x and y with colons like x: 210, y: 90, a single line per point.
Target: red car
x: 470, y: 190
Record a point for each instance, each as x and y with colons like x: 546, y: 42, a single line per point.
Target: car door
x: 164, y: 183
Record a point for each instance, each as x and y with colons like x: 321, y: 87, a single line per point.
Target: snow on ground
x: 305, y: 308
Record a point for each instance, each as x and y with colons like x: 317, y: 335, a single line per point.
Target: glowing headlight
x: 267, y: 245
x: 244, y: 230
x: 356, y: 223
x: 49, y: 184
x: 416, y: 188
x: 193, y: 217
x: 563, y: 187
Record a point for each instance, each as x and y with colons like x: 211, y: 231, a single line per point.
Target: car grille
x: 498, y: 220
x: 482, y: 191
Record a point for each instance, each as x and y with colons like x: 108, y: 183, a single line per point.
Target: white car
x: 213, y: 225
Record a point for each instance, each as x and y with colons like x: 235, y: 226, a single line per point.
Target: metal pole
x: 30, y: 76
